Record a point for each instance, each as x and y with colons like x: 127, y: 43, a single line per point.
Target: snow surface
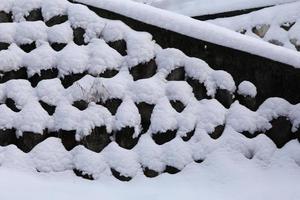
x: 197, y: 29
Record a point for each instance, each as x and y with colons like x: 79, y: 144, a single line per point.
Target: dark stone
x: 188, y: 136
x: 250, y: 135
x: 5, y: 17
x: 171, y: 170
x: 250, y: 154
x: 217, y: 132
x: 44, y: 74
x: 280, y: 133
x: 224, y: 97
x: 150, y: 173
x: 199, y: 161
x: 49, y: 108
x: 177, y: 105
x: 111, y: 104
x: 7, y: 137
x: 145, y: 111
x: 68, y: 139
x: 276, y: 42
x: 199, y: 89
x: 59, y: 19
x: 4, y: 46
x: 12, y: 105
x: 144, y: 70
x: 109, y: 73
x: 58, y: 46
x: 78, y: 36
x: 97, y: 140
x: 18, y: 74
x: 124, y: 137
x: 29, y: 140
x: 83, y: 175
x: 162, y: 138
x: 28, y: 47
x: 35, y: 15
x: 177, y: 74
x: 81, y: 105
x: 287, y: 26
x: 68, y: 80
x: 120, y: 46
x: 117, y: 175
x: 247, y: 101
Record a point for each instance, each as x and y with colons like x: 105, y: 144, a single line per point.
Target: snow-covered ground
x: 206, y: 7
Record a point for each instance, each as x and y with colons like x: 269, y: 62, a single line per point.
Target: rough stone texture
x: 78, y: 36
x: 120, y: 46
x: 109, y: 73
x: 97, y: 140
x: 287, y: 26
x: 144, y: 70
x: 250, y: 135
x: 276, y: 42
x: 49, y: 108
x: 35, y: 15
x: 177, y: 105
x: 4, y: 46
x: 12, y: 105
x: 28, y: 47
x: 83, y: 175
x: 177, y: 74
x: 145, y: 111
x: 111, y: 104
x: 68, y: 80
x: 81, y: 105
x: 199, y: 89
x: 171, y: 170
x: 117, y: 174
x: 68, y: 139
x: 150, y: 173
x: 59, y: 19
x: 5, y: 17
x: 270, y: 77
x: 18, y: 74
x: 44, y: 74
x: 224, y: 97
x: 124, y: 137
x: 58, y: 46
x: 188, y: 136
x: 217, y: 132
x: 162, y: 138
x: 247, y: 101
x: 29, y: 140
x: 261, y: 30
x: 280, y: 133
x: 7, y: 137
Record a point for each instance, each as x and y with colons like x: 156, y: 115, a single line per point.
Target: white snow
x: 247, y: 88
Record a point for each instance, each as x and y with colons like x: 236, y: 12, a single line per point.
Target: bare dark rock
x: 188, y: 135
x: 171, y: 170
x: 177, y: 105
x: 4, y: 46
x: 125, y: 139
x: 14, y: 74
x: 78, y: 36
x: 68, y: 80
x: 280, y: 133
x: 58, y: 46
x: 59, y: 19
x: 217, y: 132
x: 249, y: 102
x: 199, y: 89
x: 120, y: 46
x: 199, y: 161
x: 287, y: 25
x: 145, y: 111
x: 261, y: 30
x: 111, y: 104
x: 29, y: 140
x: 144, y: 70
x: 250, y: 135
x: 35, y: 15
x: 7, y: 137
x: 118, y: 175
x: 68, y: 139
x: 109, y: 73
x: 97, y: 140
x: 5, y: 17
x: 81, y: 104
x: 12, y: 105
x: 177, y: 74
x: 83, y: 175
x: 44, y: 74
x: 162, y: 138
x: 150, y: 173
x: 224, y: 97
x: 276, y: 42
x: 49, y: 108
x: 28, y: 47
